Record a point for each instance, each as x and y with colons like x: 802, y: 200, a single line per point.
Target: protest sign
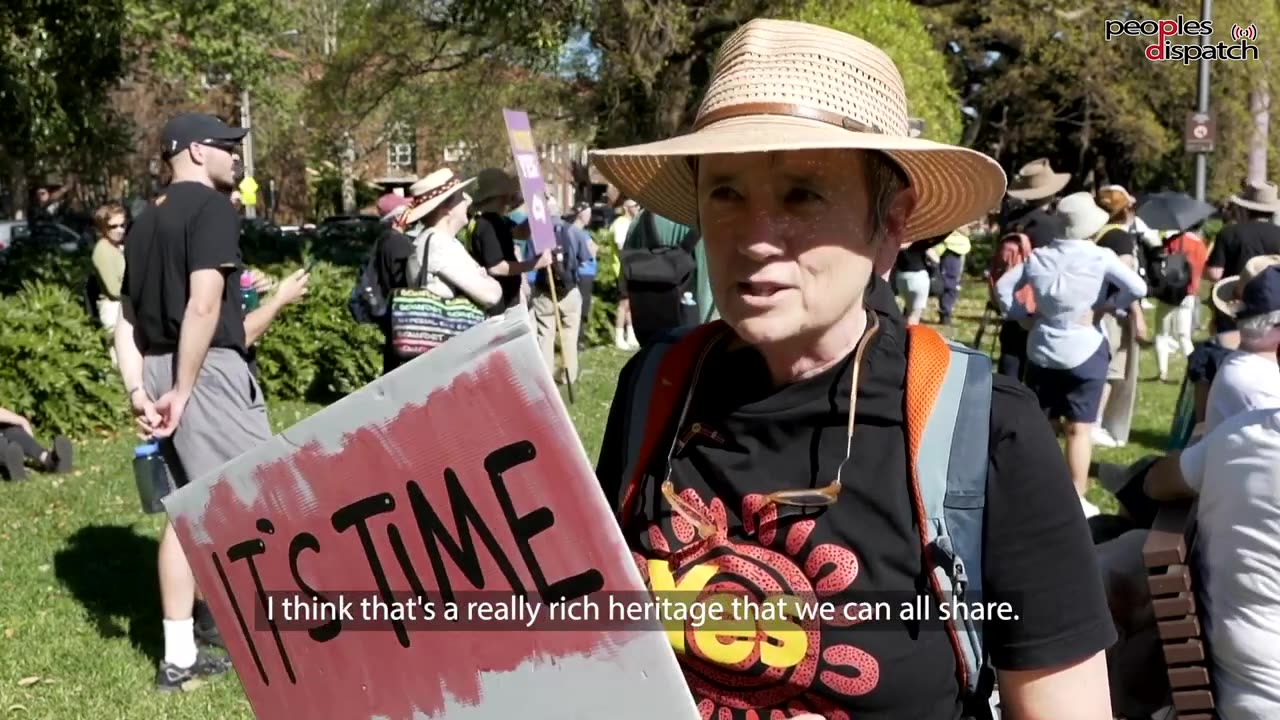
x: 525, y: 153
x: 457, y: 480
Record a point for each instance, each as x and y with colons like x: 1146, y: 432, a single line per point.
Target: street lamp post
x: 1202, y: 159
x: 246, y: 122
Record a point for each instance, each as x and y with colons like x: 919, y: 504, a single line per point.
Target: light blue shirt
x: 1068, y: 278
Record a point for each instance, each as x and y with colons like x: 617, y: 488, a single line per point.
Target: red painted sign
x: 458, y: 476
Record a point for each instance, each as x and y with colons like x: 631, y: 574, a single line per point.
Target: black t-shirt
x: 1039, y: 225
x: 492, y: 243
x: 1121, y: 242
x: 758, y: 439
x: 189, y: 227
x: 914, y: 257
x: 1239, y: 243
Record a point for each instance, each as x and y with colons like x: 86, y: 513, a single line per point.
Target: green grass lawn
x: 79, y: 608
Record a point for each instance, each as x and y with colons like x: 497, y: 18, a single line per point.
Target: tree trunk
x: 348, y: 176
x: 1259, y: 108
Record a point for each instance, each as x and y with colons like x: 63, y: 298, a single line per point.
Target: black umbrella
x: 1173, y: 211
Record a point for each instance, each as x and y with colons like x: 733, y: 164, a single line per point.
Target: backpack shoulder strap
x: 654, y: 398
x: 948, y: 398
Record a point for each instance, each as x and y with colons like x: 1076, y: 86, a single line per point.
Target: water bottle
x: 248, y: 296
x: 151, y: 477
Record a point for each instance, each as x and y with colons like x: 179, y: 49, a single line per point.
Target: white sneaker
x: 1090, y: 510
x: 1102, y: 438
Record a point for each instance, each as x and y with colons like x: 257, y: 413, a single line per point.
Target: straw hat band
x: 435, y: 192
x: 800, y: 111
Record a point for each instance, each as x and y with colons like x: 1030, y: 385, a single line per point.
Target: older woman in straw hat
x: 803, y: 179
x: 433, y: 258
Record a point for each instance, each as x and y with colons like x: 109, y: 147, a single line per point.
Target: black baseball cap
x: 189, y: 128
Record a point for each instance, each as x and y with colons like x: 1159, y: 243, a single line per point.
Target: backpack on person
x: 948, y: 413
x: 660, y: 282
x: 564, y: 260
x: 1168, y: 272
x: 1013, y: 250
x: 366, y: 303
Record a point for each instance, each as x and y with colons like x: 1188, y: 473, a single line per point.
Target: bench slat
x: 1174, y: 608
x: 1184, y: 652
x: 1192, y: 700
x: 1172, y: 580
x: 1177, y: 629
x: 1188, y: 677
x: 1166, y: 542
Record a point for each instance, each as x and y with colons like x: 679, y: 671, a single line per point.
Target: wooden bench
x: 1173, y: 583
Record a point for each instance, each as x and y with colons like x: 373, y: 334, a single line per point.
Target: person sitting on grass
x: 20, y: 445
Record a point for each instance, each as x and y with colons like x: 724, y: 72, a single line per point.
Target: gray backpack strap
x: 951, y: 470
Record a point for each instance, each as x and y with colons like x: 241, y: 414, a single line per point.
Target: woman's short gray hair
x: 1254, y: 329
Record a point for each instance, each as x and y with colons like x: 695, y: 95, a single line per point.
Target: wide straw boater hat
x: 781, y: 85
x: 427, y: 194
x: 1262, y: 197
x: 1036, y: 181
x: 1228, y: 292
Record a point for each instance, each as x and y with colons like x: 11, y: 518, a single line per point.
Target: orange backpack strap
x: 656, y: 393
x: 948, y: 420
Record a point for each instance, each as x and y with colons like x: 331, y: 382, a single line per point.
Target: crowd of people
x: 787, y: 227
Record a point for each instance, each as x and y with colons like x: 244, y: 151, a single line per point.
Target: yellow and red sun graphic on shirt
x: 783, y: 668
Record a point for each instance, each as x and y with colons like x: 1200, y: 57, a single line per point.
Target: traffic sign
x: 1200, y: 133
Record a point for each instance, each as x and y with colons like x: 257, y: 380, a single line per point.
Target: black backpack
x: 660, y: 283
x: 1168, y: 274
x: 563, y: 265
x: 367, y: 302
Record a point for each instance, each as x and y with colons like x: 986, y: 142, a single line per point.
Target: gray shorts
x: 224, y: 418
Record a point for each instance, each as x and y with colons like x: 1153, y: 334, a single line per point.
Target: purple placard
x: 525, y: 154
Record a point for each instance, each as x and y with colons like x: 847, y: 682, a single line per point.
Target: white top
x: 1236, y: 472
x: 1244, y: 382
x: 619, y: 228
x: 445, y: 253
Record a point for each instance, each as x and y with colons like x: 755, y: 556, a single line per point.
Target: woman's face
x: 114, y: 230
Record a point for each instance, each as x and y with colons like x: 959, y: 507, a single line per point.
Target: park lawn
x: 79, y: 616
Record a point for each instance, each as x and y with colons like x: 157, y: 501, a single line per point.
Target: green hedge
x: 54, y: 361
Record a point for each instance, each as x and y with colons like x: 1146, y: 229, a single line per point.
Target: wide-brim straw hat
x: 428, y: 193
x: 1036, y: 181
x: 1082, y: 218
x: 1262, y: 197
x: 781, y: 85
x: 1227, y: 291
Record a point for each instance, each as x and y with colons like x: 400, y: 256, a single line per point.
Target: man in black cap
x: 182, y: 341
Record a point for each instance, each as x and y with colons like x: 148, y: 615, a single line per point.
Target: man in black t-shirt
x: 182, y: 341
x: 783, y: 474
x: 492, y: 244
x: 1255, y: 234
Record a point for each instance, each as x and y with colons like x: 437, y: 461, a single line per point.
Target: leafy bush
x: 314, y: 350
x: 54, y: 363
x: 604, y: 302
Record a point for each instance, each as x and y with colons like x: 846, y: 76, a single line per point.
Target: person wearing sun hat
x: 1249, y: 377
x: 802, y: 176
x: 1028, y: 210
x: 1076, y: 284
x: 1252, y: 234
x: 492, y: 243
x: 420, y: 248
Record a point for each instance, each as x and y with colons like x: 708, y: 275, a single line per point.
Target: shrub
x: 54, y: 363
x: 604, y: 302
x: 314, y: 350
